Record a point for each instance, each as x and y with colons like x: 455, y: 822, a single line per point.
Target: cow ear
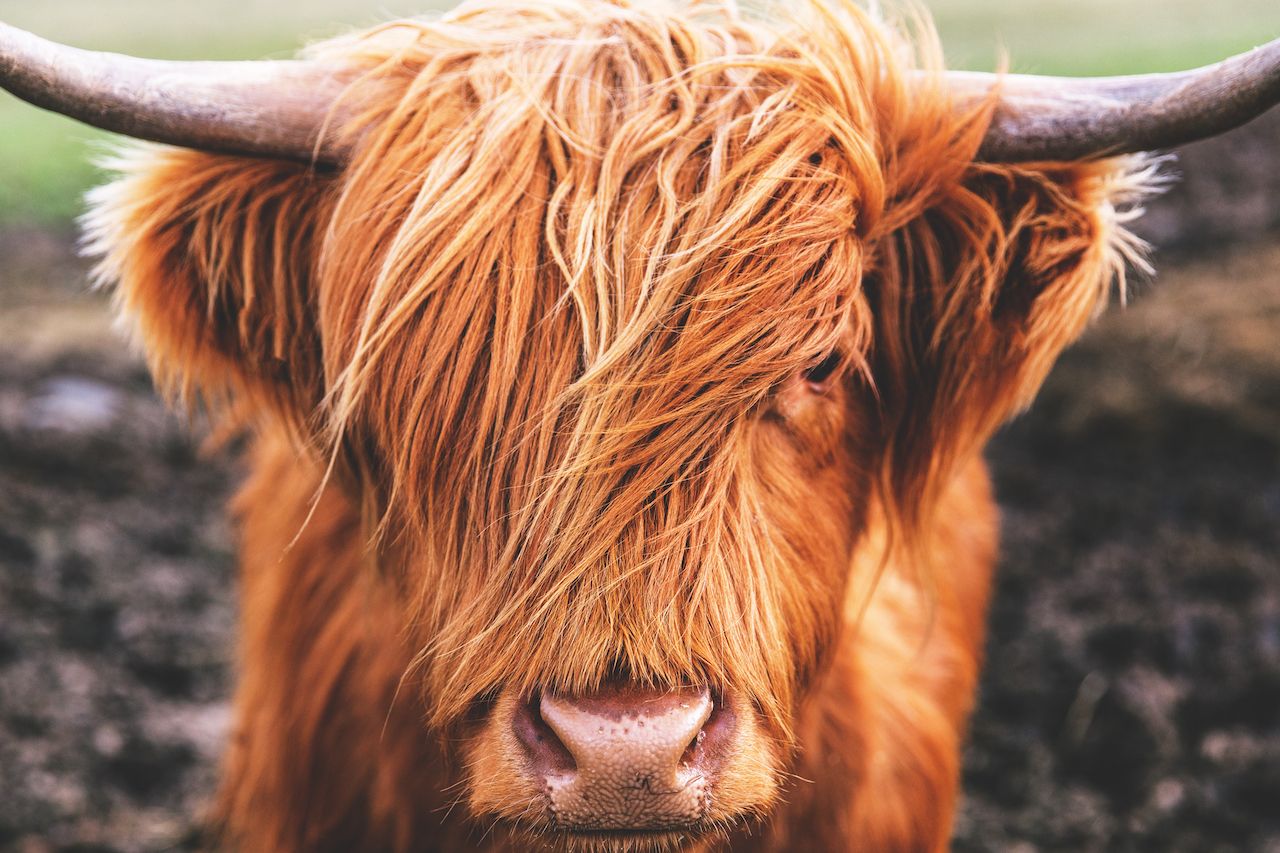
x: 213, y: 258
x: 978, y: 294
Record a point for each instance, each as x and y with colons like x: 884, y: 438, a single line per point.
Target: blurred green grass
x: 1098, y: 37
x: 46, y: 161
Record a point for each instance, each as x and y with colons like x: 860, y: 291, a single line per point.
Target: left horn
x: 1062, y: 118
x: 272, y: 109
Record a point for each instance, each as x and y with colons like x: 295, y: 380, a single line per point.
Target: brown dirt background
x: 1131, y: 699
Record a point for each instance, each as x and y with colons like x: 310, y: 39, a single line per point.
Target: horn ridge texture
x: 273, y: 109
x: 1064, y: 118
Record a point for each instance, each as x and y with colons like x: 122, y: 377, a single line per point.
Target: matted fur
x: 527, y: 380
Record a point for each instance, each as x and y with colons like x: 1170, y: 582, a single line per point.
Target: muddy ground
x: 1131, y: 699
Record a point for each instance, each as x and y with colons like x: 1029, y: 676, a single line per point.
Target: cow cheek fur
x: 323, y: 756
x: 880, y: 735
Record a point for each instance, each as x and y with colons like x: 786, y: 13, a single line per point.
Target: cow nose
x: 625, y: 757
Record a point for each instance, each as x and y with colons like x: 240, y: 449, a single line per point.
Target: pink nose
x: 625, y: 758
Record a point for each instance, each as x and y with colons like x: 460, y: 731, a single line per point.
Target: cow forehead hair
x: 577, y: 244
x: 577, y: 247
x: 670, y: 200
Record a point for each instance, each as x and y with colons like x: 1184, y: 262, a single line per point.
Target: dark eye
x: 820, y: 374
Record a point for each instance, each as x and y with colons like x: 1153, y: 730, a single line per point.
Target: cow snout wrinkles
x: 626, y: 757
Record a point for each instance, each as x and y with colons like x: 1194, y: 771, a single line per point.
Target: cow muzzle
x: 622, y: 764
x: 625, y: 758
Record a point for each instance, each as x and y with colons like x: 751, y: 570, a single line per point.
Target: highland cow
x: 618, y: 377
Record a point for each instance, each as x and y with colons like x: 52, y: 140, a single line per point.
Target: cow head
x: 640, y: 339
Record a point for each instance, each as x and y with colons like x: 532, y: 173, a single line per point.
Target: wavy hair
x: 536, y: 323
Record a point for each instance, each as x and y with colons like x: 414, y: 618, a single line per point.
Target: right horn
x: 1065, y: 118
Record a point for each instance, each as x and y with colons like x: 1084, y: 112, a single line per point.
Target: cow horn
x: 269, y: 109
x: 1062, y: 118
x: 278, y: 109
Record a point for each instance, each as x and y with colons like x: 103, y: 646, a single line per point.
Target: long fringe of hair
x: 580, y: 246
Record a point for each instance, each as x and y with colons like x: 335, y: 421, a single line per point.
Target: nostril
x: 709, y: 747
x: 546, y: 752
x: 690, y: 755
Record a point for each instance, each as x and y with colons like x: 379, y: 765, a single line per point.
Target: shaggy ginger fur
x: 528, y: 385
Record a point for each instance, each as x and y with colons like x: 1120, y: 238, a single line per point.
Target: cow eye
x: 819, y: 376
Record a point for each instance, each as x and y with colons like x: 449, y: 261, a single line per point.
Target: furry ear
x: 214, y: 258
x: 976, y: 296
